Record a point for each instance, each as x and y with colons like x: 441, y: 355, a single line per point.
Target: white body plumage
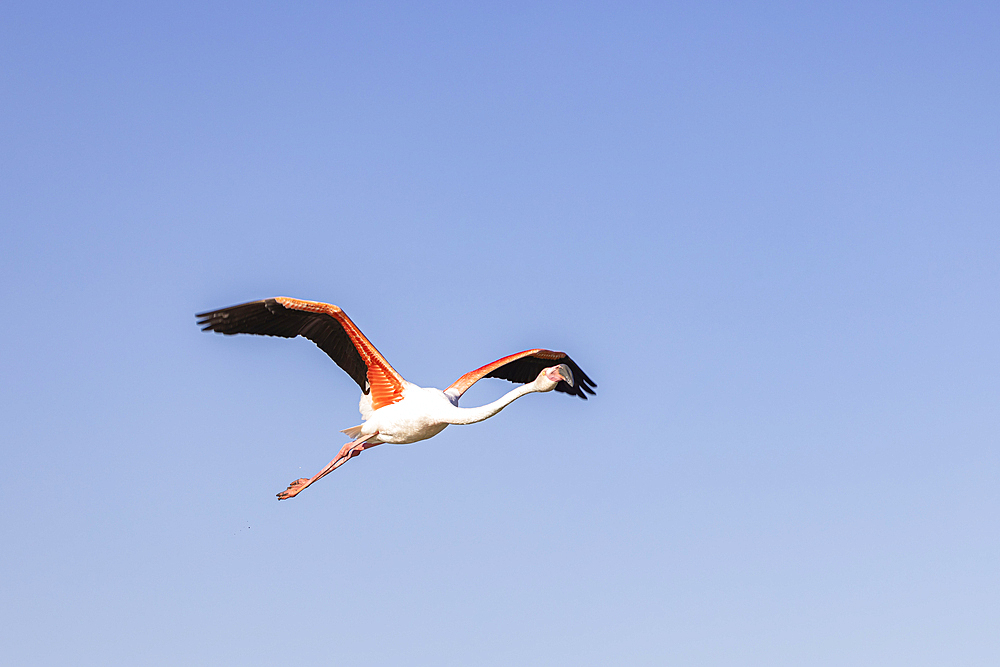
x: 425, y: 411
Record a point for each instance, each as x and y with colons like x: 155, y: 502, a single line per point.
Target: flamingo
x: 394, y: 410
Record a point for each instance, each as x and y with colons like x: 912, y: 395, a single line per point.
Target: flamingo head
x: 550, y: 377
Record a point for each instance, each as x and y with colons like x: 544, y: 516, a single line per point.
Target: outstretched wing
x: 326, y: 325
x: 524, y: 367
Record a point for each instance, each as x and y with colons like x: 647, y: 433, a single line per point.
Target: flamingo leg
x: 347, y: 452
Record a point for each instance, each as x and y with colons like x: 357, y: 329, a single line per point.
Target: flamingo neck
x: 473, y: 415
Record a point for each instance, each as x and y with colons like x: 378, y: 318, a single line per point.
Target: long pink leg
x: 347, y: 452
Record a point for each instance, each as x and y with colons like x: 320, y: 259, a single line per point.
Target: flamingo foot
x: 294, y: 488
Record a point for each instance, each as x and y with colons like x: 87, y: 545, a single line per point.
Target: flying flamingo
x: 394, y: 410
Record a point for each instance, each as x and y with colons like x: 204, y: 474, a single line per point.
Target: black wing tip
x: 581, y: 389
x: 215, y: 320
x: 206, y: 321
x: 584, y: 385
x: 212, y: 321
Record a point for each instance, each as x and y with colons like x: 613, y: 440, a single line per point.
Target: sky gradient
x: 770, y: 233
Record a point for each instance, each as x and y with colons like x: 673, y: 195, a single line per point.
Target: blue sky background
x: 770, y: 233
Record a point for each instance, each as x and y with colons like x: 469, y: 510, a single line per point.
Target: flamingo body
x: 394, y: 410
x: 423, y: 413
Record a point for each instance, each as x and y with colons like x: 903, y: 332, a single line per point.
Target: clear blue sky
x: 770, y: 232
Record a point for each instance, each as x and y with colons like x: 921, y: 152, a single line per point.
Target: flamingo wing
x: 324, y: 324
x: 524, y: 367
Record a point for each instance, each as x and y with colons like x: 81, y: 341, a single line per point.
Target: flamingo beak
x: 560, y: 373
